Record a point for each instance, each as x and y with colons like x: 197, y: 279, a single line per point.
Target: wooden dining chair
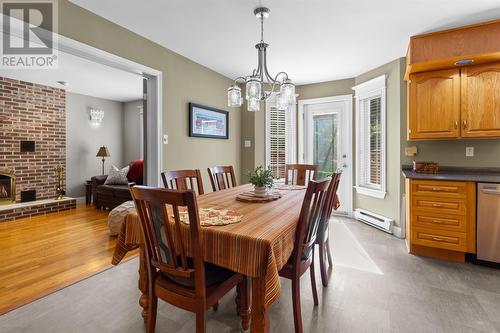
x: 222, y: 177
x: 300, y: 174
x: 323, y: 239
x: 303, y: 253
x: 177, y: 272
x: 183, y: 180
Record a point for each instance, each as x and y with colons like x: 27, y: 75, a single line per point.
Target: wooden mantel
x: 439, y: 50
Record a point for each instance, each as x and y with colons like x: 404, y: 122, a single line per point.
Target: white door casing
x: 341, y: 108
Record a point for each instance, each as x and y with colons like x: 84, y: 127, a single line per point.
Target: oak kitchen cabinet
x: 434, y: 105
x: 480, y: 107
x: 454, y: 103
x: 454, y: 83
x: 441, y: 218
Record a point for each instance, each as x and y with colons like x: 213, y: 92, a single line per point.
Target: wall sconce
x: 96, y: 117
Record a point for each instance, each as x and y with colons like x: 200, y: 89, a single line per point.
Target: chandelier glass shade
x: 261, y: 85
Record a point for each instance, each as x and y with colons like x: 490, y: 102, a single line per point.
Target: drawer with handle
x: 440, y: 221
x: 449, y: 240
x: 439, y: 188
x: 439, y: 205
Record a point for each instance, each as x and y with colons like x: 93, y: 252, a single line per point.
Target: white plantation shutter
x: 370, y: 129
x: 280, y: 137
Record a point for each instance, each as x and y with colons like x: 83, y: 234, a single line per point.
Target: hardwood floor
x: 42, y: 254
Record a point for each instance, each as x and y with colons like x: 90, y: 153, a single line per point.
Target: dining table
x: 258, y: 246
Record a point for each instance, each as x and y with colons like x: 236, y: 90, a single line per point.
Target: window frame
x: 366, y: 91
x: 290, y: 130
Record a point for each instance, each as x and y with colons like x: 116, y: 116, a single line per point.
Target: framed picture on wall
x: 207, y: 122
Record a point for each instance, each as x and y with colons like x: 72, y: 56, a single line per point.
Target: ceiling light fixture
x: 255, y: 91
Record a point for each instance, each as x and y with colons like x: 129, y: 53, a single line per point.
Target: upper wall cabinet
x: 442, y: 49
x: 481, y: 101
x: 454, y: 83
x: 434, y: 105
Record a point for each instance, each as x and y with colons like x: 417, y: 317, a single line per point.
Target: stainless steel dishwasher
x: 488, y: 222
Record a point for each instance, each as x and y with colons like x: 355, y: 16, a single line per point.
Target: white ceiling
x: 84, y: 77
x: 312, y: 40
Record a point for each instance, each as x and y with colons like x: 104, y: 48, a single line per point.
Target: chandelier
x: 261, y: 85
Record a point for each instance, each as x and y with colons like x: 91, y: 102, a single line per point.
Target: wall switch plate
x: 469, y: 151
x: 248, y: 143
x: 411, y: 151
x: 165, y: 139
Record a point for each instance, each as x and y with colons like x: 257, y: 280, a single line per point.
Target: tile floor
x: 375, y: 287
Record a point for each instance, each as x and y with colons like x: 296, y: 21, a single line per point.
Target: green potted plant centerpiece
x: 261, y: 179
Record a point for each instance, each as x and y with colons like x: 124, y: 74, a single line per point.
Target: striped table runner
x: 258, y: 246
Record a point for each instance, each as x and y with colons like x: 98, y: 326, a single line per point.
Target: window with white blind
x: 370, y: 137
x: 280, y: 137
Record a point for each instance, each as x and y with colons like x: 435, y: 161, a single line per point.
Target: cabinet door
x: 481, y: 101
x: 434, y: 105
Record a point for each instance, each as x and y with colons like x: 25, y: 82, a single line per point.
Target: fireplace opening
x: 7, y: 187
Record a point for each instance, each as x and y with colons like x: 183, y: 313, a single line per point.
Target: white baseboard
x: 398, y: 232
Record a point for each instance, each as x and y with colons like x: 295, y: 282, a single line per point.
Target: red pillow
x: 135, y: 173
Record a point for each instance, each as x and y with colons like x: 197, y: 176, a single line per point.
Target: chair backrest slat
x: 222, y: 177
x: 300, y: 174
x: 329, y: 205
x: 178, y: 180
x: 310, y: 216
x: 165, y: 244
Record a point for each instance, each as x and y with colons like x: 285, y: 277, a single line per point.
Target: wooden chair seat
x: 213, y: 274
x: 288, y: 271
x: 185, y: 297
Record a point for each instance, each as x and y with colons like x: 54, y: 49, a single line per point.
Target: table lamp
x: 103, y: 152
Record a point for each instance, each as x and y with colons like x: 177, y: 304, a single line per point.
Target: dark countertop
x: 483, y: 175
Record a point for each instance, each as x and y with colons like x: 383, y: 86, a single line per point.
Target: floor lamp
x: 103, y: 152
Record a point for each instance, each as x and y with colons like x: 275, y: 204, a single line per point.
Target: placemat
x: 212, y: 216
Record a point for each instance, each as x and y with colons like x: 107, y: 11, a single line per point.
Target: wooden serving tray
x: 250, y: 197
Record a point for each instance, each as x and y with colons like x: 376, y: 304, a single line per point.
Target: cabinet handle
x: 439, y: 239
x: 464, y: 124
x: 456, y: 124
x: 438, y: 221
x: 436, y: 188
x: 436, y: 205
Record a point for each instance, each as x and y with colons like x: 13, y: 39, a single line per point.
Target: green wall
x: 390, y: 205
x: 325, y: 89
x: 184, y: 81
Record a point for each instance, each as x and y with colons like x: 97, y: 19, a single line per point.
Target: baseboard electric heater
x: 378, y: 221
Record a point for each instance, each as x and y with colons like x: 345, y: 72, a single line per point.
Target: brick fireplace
x: 32, y: 136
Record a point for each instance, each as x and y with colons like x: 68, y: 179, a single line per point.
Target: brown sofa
x: 110, y: 196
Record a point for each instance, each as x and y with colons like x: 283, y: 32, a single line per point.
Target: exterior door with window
x: 326, y: 141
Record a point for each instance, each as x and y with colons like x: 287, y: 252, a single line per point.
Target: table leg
x: 243, y: 303
x: 260, y: 316
x: 143, y: 284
